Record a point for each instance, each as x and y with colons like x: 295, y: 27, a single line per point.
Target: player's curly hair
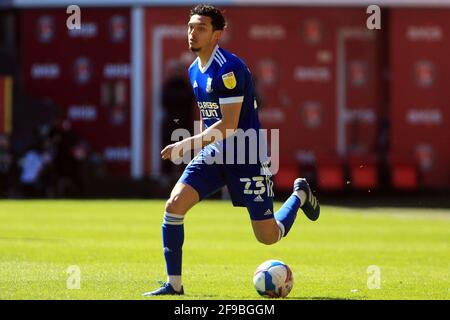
x: 217, y: 18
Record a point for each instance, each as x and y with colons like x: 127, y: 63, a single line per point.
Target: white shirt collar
x: 203, y: 70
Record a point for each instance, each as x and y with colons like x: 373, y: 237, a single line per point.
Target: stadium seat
x: 363, y: 173
x: 404, y: 176
x: 330, y: 175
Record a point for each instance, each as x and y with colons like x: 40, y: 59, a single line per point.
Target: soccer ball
x: 273, y: 279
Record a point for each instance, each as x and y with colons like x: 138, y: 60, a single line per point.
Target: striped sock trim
x: 302, y: 196
x: 173, y: 219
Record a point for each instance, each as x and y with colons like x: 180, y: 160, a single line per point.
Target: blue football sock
x: 173, y: 238
x: 287, y: 213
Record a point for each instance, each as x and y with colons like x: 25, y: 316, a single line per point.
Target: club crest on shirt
x: 208, y: 85
x: 229, y: 80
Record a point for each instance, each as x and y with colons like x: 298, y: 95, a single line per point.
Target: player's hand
x: 172, y: 151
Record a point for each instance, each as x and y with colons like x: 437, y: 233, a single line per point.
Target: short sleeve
x: 231, y: 84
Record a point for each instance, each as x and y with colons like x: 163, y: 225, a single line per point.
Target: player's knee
x: 173, y: 205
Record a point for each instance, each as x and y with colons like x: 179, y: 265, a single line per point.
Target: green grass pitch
x: 117, y: 247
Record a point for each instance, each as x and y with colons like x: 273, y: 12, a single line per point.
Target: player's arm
x: 220, y: 130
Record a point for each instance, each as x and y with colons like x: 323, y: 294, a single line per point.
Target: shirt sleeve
x: 231, y: 85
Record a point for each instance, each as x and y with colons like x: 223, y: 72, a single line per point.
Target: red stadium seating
x: 363, y: 173
x: 285, y: 177
x: 330, y: 174
x: 404, y: 173
x: 404, y: 176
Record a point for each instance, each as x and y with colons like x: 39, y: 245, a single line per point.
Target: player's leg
x: 302, y: 197
x: 198, y: 181
x: 182, y: 198
x: 266, y: 231
x: 249, y: 188
x: 269, y: 228
x: 257, y: 196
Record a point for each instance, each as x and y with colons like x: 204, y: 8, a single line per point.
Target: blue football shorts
x: 248, y: 185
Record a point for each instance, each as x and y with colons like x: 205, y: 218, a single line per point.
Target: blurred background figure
x: 178, y: 102
x: 70, y: 155
x: 7, y: 166
x: 36, y: 170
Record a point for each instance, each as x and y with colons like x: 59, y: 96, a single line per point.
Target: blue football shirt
x: 224, y: 79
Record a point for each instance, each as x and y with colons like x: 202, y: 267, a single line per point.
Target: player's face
x: 201, y: 34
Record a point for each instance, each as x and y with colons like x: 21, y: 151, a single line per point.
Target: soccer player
x: 223, y: 87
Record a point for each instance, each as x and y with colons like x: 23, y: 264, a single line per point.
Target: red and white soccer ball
x: 273, y: 279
